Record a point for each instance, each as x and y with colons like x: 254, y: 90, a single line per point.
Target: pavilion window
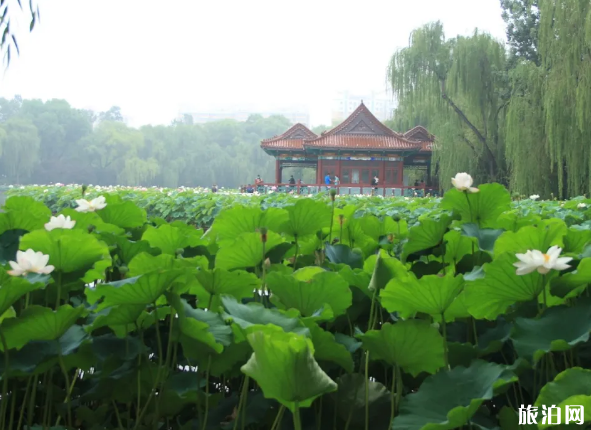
x: 391, y: 176
x: 346, y: 176
x: 365, y: 176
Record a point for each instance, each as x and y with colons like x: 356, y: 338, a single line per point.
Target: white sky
x: 154, y: 58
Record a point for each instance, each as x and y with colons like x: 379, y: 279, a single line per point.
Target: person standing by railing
x: 374, y: 183
x: 327, y: 181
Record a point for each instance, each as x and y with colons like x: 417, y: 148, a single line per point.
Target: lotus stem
x: 297, y: 250
x: 241, y: 401
x: 393, y: 397
x: 445, y: 350
x: 297, y: 424
x: 4, y: 403
x: 23, y: 405
x: 205, y: 417
x: 367, y: 390
x: 331, y: 223
x: 278, y: 418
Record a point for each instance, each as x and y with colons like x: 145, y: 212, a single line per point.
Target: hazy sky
x: 156, y: 58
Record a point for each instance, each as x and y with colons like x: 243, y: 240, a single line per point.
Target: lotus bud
x: 396, y: 218
x: 333, y: 193
x: 341, y: 219
x: 267, y: 263
x: 263, y: 234
x: 179, y: 251
x: 123, y: 270
x: 84, y: 188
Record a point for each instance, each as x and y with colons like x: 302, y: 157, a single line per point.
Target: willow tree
x: 458, y: 87
x: 565, y: 50
x: 530, y: 167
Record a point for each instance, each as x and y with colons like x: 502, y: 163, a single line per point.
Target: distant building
x: 380, y: 104
x: 294, y: 114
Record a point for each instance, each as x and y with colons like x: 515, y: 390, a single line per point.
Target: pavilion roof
x: 292, y: 139
x: 361, y: 130
x: 419, y: 133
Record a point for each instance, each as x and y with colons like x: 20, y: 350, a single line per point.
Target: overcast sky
x: 156, y: 58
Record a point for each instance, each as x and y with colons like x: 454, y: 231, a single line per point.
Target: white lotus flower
x: 534, y: 197
x: 91, y: 206
x: 30, y: 261
x: 581, y: 206
x: 60, y: 221
x: 463, y: 182
x: 543, y: 263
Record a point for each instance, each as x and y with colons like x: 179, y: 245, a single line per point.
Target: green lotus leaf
x: 252, y: 316
x: 349, y: 402
x: 312, y: 295
x: 482, y: 208
x: 560, y: 328
x: 541, y: 237
x: 23, y: 213
x: 457, y: 246
x: 145, y: 263
x: 432, y: 294
x: 284, y: 367
x: 342, y: 254
x: 128, y: 249
x: 414, y: 345
x: 13, y: 288
x: 571, y: 387
x: 234, y: 221
x: 206, y: 327
x: 213, y: 283
x: 490, y: 296
x: 139, y: 290
x: 246, y: 251
x: 169, y: 239
x: 386, y: 269
x: 121, y: 316
x: 576, y: 239
x: 306, y: 217
x: 84, y: 220
x: 356, y: 278
x: 39, y: 323
x: 124, y: 214
x: 68, y: 250
x: 326, y: 348
x: 428, y: 234
x: 573, y: 283
x: 452, y: 397
x: 513, y: 220
x: 486, y: 237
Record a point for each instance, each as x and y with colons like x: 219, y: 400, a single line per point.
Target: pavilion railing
x: 388, y: 190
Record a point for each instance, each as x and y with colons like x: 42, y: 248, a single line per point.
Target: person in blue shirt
x: 327, y: 181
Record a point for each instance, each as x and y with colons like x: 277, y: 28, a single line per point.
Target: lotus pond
x: 286, y: 313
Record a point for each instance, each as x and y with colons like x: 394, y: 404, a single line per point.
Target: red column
x: 339, y: 173
x: 383, y: 176
x: 277, y: 171
x: 319, y: 172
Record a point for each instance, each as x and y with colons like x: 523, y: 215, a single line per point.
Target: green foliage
x: 424, y: 325
x: 51, y: 142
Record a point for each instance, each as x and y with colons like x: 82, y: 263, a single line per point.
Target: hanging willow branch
x: 457, y: 83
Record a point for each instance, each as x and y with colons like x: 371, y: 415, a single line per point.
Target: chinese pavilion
x: 358, y: 149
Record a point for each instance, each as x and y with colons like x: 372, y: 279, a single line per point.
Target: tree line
x: 50, y: 142
x: 519, y: 115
